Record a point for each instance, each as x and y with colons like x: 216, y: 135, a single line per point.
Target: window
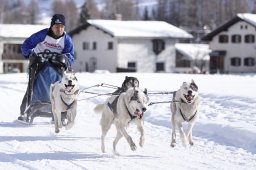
x: 249, y: 61
x: 235, y: 61
x: 86, y: 46
x: 110, y: 46
x: 223, y: 38
x: 160, y: 66
x: 236, y: 38
x: 94, y: 45
x: 158, y: 46
x: 131, y: 65
x: 249, y: 38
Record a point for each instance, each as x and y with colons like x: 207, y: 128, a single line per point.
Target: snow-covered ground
x: 224, y: 136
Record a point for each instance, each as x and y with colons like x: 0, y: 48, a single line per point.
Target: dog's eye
x: 134, y: 98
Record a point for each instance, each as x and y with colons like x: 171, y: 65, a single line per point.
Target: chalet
x: 11, y: 38
x: 233, y: 46
x: 192, y: 58
x: 126, y: 46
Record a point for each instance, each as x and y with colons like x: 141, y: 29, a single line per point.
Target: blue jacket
x: 38, y: 37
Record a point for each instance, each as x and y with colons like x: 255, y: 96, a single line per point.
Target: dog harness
x: 112, y: 106
x: 183, y: 116
x: 63, y: 101
x: 68, y: 105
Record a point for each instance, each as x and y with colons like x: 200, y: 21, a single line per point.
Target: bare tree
x: 33, y: 11
x: 125, y: 8
x: 3, y: 8
x: 93, y: 9
x: 15, y: 12
x: 58, y: 7
x: 71, y: 14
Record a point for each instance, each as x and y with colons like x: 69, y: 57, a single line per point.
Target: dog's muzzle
x: 189, y: 97
x: 139, y: 113
x: 69, y: 86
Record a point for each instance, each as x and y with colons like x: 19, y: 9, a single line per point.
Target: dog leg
x: 141, y: 130
x: 173, y: 142
x: 129, y: 139
x: 56, y: 122
x: 71, y: 120
x: 118, y: 137
x: 183, y: 137
x: 189, y: 133
x: 105, y: 126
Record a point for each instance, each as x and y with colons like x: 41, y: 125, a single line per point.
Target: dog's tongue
x: 189, y: 98
x: 139, y: 114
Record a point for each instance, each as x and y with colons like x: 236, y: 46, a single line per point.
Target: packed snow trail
x: 224, y: 134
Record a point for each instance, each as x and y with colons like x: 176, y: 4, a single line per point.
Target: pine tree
x: 84, y: 15
x: 145, y: 14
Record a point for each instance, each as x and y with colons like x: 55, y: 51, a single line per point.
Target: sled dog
x: 127, y: 83
x: 63, y: 96
x: 184, y: 108
x: 120, y: 110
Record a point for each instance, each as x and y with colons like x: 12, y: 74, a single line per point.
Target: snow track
x: 224, y: 134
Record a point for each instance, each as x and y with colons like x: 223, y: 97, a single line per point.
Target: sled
x: 45, y: 69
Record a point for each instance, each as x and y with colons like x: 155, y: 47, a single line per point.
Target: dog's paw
x: 191, y: 143
x: 173, y: 145
x: 57, y: 130
x: 133, y: 147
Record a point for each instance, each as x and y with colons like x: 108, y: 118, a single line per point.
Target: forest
x: 191, y: 15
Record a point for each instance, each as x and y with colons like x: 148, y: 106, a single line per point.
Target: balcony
x: 12, y: 56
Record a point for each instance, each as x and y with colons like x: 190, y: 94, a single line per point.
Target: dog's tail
x: 99, y: 108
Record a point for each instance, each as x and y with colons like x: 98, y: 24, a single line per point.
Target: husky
x: 63, y: 97
x: 127, y: 83
x: 184, y: 108
x: 120, y: 110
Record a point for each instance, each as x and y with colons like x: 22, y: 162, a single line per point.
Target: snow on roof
x: 140, y: 28
x: 251, y: 18
x: 19, y: 30
x: 194, y: 51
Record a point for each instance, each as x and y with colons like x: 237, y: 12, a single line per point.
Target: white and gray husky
x: 63, y: 96
x: 120, y: 110
x: 184, y: 108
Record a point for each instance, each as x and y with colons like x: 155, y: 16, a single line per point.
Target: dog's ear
x: 183, y: 84
x: 145, y: 91
x: 193, y: 85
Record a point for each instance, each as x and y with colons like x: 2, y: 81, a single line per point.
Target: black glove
x: 35, y: 59
x: 60, y: 61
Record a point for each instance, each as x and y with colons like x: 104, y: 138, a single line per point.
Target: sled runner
x: 45, y: 69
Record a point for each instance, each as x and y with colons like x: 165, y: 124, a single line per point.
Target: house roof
x: 19, y: 30
x: 193, y: 51
x: 247, y: 17
x: 117, y: 28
